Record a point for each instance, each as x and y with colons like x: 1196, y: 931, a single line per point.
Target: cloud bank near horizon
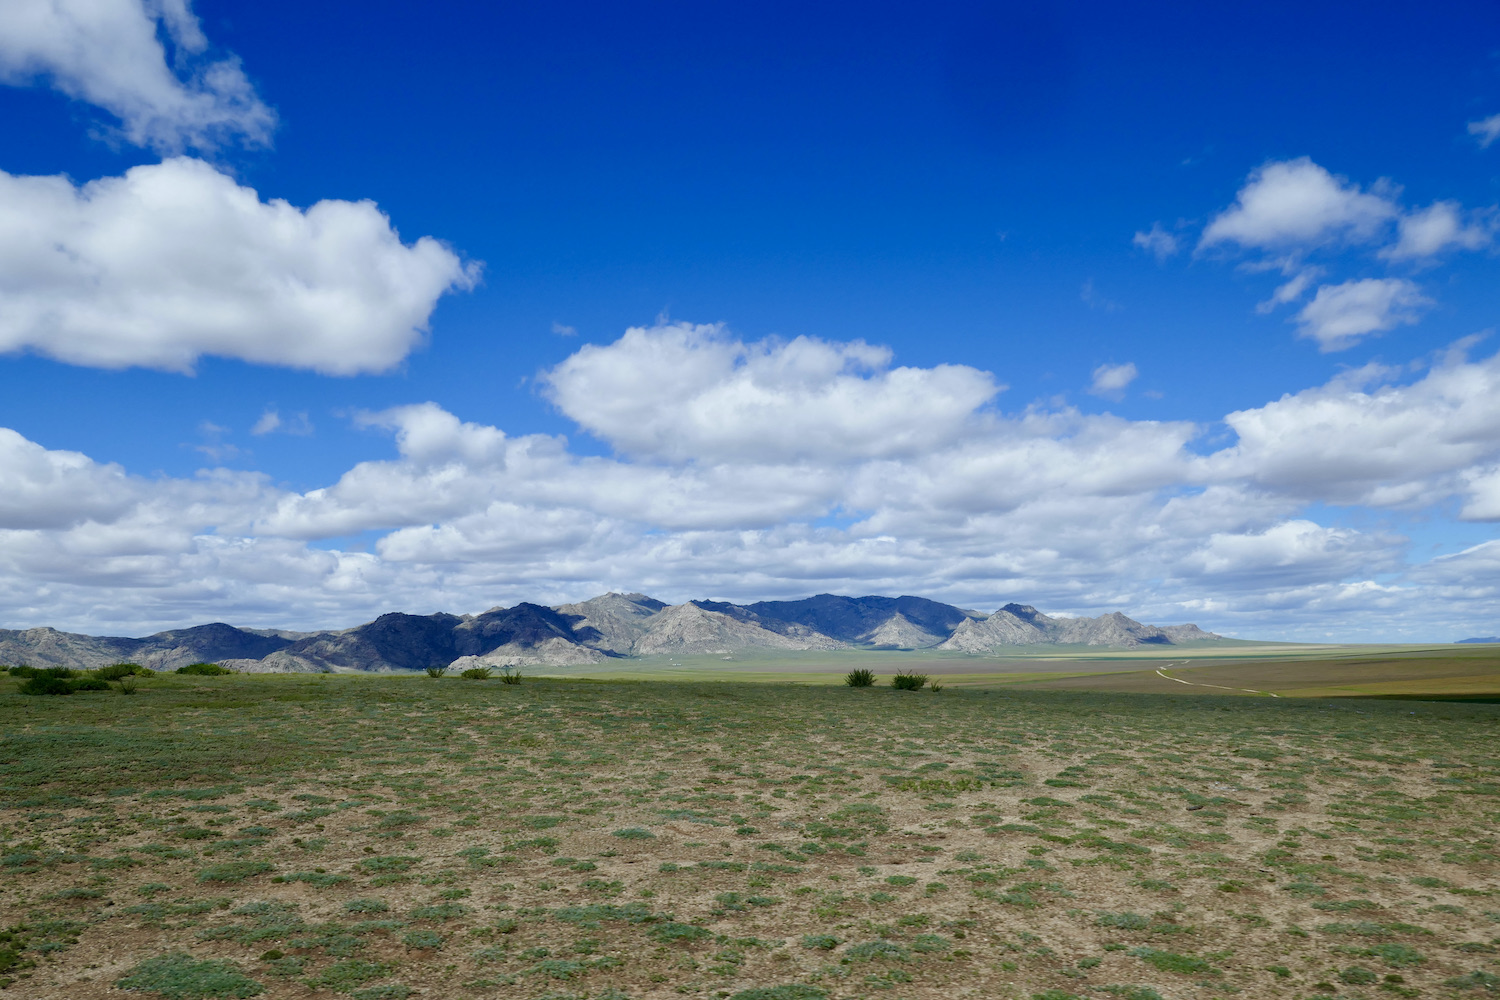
x: 785, y: 468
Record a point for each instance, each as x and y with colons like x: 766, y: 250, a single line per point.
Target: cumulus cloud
x: 1486, y: 130
x: 1438, y: 227
x: 1364, y: 438
x: 1297, y: 203
x: 175, y: 260
x: 681, y: 392
x: 109, y: 53
x: 1156, y: 241
x: 1068, y: 510
x: 1110, y: 380
x: 1340, y: 315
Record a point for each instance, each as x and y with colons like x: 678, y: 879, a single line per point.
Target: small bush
x: 634, y: 833
x: 909, y: 682
x: 233, y: 871
x: 1123, y: 921
x: 671, y: 930
x: 365, y: 905
x: 436, y: 671
x: 860, y: 678
x: 55, y: 680
x: 341, y: 977
x: 423, y: 940
x: 791, y: 991
x: 128, y: 685
x: 476, y: 674
x: 204, y: 670
x: 876, y: 949
x: 1358, y: 975
x: 1170, y: 961
x: 178, y: 977
x: 45, y: 684
x: 822, y: 942
x: 510, y: 674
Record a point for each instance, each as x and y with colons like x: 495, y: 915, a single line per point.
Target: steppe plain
x: 1074, y: 824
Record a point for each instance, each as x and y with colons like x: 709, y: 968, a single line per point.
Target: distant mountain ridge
x: 609, y: 626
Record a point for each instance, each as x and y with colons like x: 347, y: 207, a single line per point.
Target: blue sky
x: 1032, y: 252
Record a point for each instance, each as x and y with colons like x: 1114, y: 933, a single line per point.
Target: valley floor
x: 384, y: 837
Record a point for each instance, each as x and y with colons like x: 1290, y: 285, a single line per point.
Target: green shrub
x: 1358, y: 975
x: 233, y: 871
x: 1170, y: 961
x: 1476, y: 980
x: 909, y: 682
x: 876, y: 949
x: 510, y: 674
x: 790, y: 991
x: 178, y: 977
x: 390, y: 991
x: 25, y: 671
x: 45, y: 685
x: 860, y: 678
x: 52, y: 680
x: 436, y: 671
x: 204, y: 670
x: 341, y: 977
x: 1398, y: 955
x: 476, y: 674
x: 365, y: 906
x: 671, y: 930
x: 634, y: 833
x: 1133, y: 992
x: 822, y: 942
x: 1123, y: 921
x: 423, y: 940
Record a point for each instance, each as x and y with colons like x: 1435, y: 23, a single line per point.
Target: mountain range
x: 610, y: 626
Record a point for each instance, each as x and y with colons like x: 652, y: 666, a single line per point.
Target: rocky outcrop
x: 1023, y: 625
x: 858, y: 620
x: 699, y: 627
x: 618, y: 619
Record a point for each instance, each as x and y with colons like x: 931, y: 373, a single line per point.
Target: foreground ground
x: 379, y: 838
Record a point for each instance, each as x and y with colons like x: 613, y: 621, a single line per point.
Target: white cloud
x: 272, y: 421
x: 563, y: 330
x: 1110, y: 380
x: 680, y: 392
x: 1364, y: 439
x: 1064, y: 509
x: 108, y: 54
x: 1156, y: 241
x: 175, y: 260
x: 1290, y: 291
x: 1296, y: 203
x: 1486, y: 130
x: 1431, y: 230
x: 1339, y: 315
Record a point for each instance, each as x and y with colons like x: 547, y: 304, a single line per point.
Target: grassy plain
x: 384, y: 837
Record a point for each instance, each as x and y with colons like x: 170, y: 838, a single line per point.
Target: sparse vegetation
x: 380, y: 837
